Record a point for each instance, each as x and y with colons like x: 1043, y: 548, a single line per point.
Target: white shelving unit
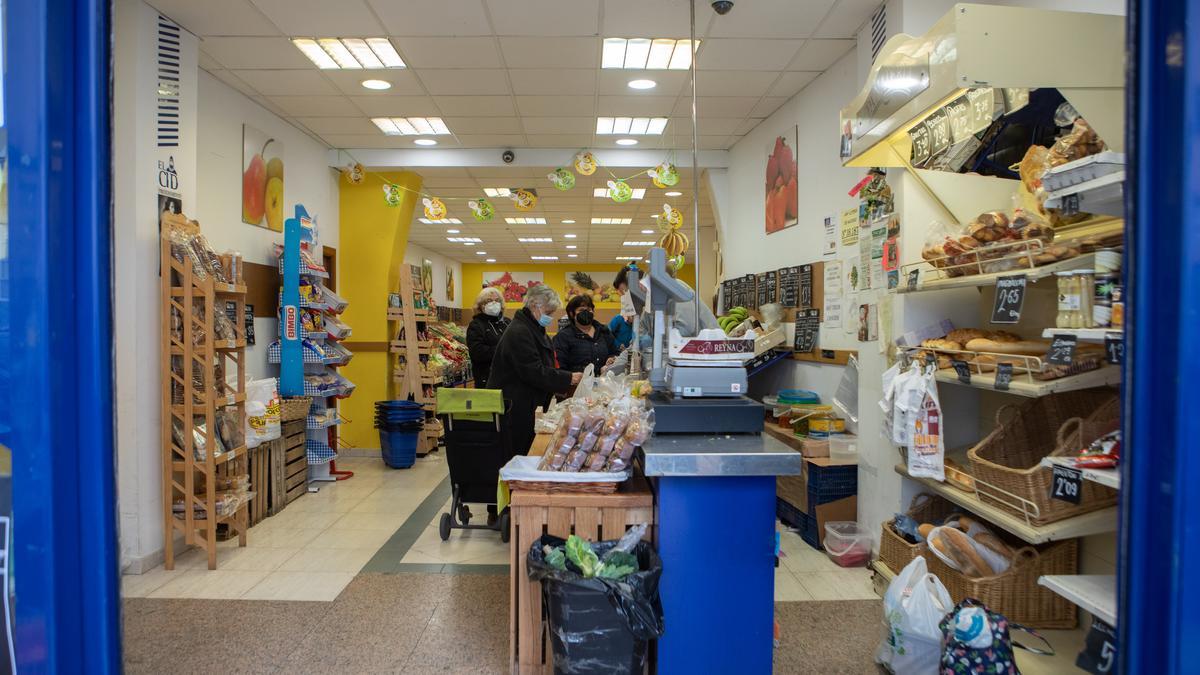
x: 1022, y: 385
x: 1095, y: 593
x: 1085, y: 261
x: 1104, y: 195
x: 1085, y: 334
x: 1106, y: 477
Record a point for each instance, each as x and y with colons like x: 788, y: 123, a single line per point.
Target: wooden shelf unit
x: 413, y: 380
x: 185, y: 476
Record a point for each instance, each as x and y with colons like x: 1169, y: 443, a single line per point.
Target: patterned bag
x: 976, y: 640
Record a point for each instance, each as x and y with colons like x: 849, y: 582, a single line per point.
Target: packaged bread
x: 1033, y: 166
x: 953, y: 547
x: 1024, y: 347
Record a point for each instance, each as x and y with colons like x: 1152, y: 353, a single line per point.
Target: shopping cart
x: 475, y: 450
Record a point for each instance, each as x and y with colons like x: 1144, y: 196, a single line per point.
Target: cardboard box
x: 842, y: 509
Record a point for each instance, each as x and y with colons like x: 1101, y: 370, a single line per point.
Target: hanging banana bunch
x: 674, y: 241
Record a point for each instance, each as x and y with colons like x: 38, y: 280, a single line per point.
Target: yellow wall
x: 553, y: 274
x: 372, y: 241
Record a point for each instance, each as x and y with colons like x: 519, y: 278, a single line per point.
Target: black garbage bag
x: 599, y: 625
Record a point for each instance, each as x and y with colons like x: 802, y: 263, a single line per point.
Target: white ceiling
x: 520, y: 73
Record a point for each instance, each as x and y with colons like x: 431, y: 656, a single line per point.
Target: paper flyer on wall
x: 850, y: 226
x: 865, y: 278
x: 877, y: 238
x: 832, y: 311
x: 829, y: 250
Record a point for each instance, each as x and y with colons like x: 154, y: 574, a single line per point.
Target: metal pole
x: 695, y: 172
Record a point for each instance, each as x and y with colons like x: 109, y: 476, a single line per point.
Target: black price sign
x: 930, y: 359
x: 760, y: 286
x: 959, y: 112
x: 919, y: 136
x: 1062, y: 350
x: 1066, y: 485
x: 806, y: 286
x: 1114, y: 349
x: 808, y: 326
x: 1003, y: 376
x: 789, y: 277
x: 249, y: 324
x: 939, y: 132
x: 963, y: 369
x: 1010, y: 297
x: 772, y: 285
x: 1099, y: 655
x: 913, y: 277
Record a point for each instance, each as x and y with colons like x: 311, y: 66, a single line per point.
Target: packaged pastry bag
x: 927, y: 448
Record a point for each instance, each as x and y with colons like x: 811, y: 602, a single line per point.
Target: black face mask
x: 584, y: 317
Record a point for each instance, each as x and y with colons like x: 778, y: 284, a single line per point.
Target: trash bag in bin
x: 599, y: 625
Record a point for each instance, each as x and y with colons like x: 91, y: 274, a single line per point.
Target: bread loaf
x: 955, y: 345
x: 960, y: 549
x: 964, y: 335
x: 1024, y: 347
x: 994, y: 544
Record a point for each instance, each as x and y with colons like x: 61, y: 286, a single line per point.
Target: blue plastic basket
x: 810, y: 534
x: 790, y: 515
x: 399, y: 448
x: 829, y: 484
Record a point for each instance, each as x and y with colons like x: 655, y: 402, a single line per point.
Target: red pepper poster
x: 783, y: 200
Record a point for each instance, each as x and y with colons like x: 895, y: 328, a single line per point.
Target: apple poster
x: 262, y: 179
x: 783, y: 200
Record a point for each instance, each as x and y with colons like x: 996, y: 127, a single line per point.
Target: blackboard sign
x: 959, y: 111
x: 249, y: 325
x: 982, y: 104
x: 805, y: 285
x: 748, y: 291
x: 963, y: 369
x: 919, y: 138
x: 939, y: 132
x: 1066, y: 485
x: 1010, y: 297
x: 808, y: 326
x: 760, y: 288
x: 789, y: 286
x: 1099, y: 653
x: 913, y: 279
x: 1062, y: 350
x: 1003, y: 376
x: 772, y: 282
x: 1114, y: 349
x: 727, y: 295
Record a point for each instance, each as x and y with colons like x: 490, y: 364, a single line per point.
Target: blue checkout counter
x: 716, y: 536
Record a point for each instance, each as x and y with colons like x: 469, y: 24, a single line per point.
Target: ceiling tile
x: 668, y: 82
x: 770, y: 19
x: 339, y: 125
x: 708, y: 125
x: 658, y: 19
x: 560, y: 141
x: 208, y: 63
x: 234, y: 81
x: 404, y: 82
x: 375, y: 140
x: 767, y: 106
x: 717, y: 106
x: 545, y: 17
x: 632, y: 105
x: 559, y: 125
x: 491, y: 140
x: 483, y: 125
x: 556, y: 105
x: 254, y: 52
x: 467, y: 106
x: 449, y: 52
x: 464, y: 82
x: 734, y: 82
x: 548, y: 82
x: 820, y: 54
x: 216, y: 17
x: 551, y: 52
x: 747, y: 126
x: 285, y: 82
x: 746, y: 54
x: 321, y: 18
x: 846, y: 18
x: 395, y: 106
x: 315, y: 106
x: 790, y: 83
x: 432, y: 17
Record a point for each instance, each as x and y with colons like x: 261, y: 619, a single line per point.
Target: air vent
x: 168, y: 83
x: 878, y: 31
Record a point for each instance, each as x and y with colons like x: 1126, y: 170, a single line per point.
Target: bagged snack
x: 262, y: 412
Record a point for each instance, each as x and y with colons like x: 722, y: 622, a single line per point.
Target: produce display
x: 733, y: 318
x: 985, y: 349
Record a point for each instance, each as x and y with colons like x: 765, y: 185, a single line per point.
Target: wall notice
x: 850, y: 226
x: 829, y: 250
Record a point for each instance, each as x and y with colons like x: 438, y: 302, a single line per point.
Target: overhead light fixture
x: 480, y: 252
x: 490, y: 260
x: 425, y: 141
x: 629, y: 257
x: 497, y: 192
x: 411, y: 126
x: 572, y: 255
x: 464, y: 240
x: 452, y: 231
x: 644, y: 231
x: 572, y: 246
x: 468, y: 243
x: 673, y: 193
x: 638, y: 193
x: 568, y: 222
x: 636, y: 126
x: 626, y: 141
x: 534, y: 240
x: 639, y: 243
x: 612, y: 221
x: 525, y: 221
x: 543, y: 257
x: 647, y: 54
x: 443, y: 221
x: 350, y: 53
x: 377, y: 85
x: 642, y: 84
x: 569, y: 236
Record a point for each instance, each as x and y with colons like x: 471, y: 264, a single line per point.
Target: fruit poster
x: 449, y: 283
x: 597, y: 284
x: 262, y: 179
x: 783, y: 200
x: 427, y: 276
x: 512, y: 285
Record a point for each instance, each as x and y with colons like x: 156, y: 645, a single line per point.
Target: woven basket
x: 1007, y: 466
x: 294, y: 408
x: 1015, y: 593
x: 894, y: 549
x: 597, y: 488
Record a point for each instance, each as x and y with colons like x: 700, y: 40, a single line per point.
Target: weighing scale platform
x: 706, y: 415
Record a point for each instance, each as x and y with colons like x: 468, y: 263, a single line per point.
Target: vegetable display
x: 616, y: 565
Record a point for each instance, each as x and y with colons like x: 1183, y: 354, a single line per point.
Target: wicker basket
x: 894, y: 549
x: 1015, y: 593
x: 594, y: 488
x: 1007, y: 466
x: 294, y: 408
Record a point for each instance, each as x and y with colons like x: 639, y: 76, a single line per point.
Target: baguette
x: 965, y: 335
x: 1023, y: 347
x: 994, y: 544
x: 958, y: 547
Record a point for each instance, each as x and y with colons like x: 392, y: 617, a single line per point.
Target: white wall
x: 415, y: 255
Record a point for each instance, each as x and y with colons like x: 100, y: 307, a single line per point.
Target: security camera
x: 722, y: 7
x: 508, y: 156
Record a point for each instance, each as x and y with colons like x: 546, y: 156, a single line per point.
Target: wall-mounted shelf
x: 1095, y: 593
x: 1085, y: 261
x: 1085, y: 334
x: 1022, y: 385
x: 1106, y: 477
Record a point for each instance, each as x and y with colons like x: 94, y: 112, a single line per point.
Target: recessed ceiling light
x: 480, y: 252
x: 674, y: 193
x: 638, y: 193
x: 626, y: 141
x: 642, y: 84
x: 639, y: 243
x: 425, y: 141
x: 534, y: 240
x: 497, y: 192
x: 350, y: 53
x: 411, y: 126
x: 572, y: 246
x: 491, y: 260
x: 568, y: 222
x: 629, y: 257
x: 442, y: 221
x: 637, y: 126
x: 457, y: 240
x: 569, y: 236
x: 525, y: 221
x: 612, y: 221
x: 643, y: 231
x: 572, y: 255
x: 378, y: 85
x: 543, y: 257
x: 647, y: 54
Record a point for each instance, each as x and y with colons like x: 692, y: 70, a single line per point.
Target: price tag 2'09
x: 1066, y: 484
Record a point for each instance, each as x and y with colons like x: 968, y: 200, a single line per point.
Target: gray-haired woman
x: 485, y: 332
x: 524, y: 367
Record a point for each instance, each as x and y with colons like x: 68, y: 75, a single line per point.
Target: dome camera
x: 722, y: 7
x: 508, y: 156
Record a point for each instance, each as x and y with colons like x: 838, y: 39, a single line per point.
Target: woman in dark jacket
x: 523, y: 367
x: 585, y: 340
x: 484, y: 333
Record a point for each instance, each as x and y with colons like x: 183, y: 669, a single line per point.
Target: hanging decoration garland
x: 482, y: 209
x: 354, y: 173
x: 585, y: 163
x: 434, y: 208
x: 391, y: 194
x: 562, y: 179
x: 619, y: 191
x: 524, y: 199
x: 674, y: 241
x: 664, y: 175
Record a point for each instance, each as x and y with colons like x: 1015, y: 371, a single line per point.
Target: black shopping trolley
x: 475, y: 450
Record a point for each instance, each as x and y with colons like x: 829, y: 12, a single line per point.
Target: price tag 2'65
x: 1003, y: 376
x: 1010, y: 298
x: 963, y: 369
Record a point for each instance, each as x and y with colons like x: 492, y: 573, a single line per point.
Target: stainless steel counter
x: 719, y: 455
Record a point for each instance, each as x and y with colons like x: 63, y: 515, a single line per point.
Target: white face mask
x: 492, y: 308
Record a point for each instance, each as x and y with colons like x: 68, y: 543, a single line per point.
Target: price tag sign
x: 1003, y: 376
x: 1114, y: 349
x: 919, y: 136
x: 1066, y: 485
x: 1099, y: 655
x: 808, y: 326
x: 939, y: 132
x: 1062, y: 350
x: 983, y: 102
x: 1010, y: 298
x: 930, y: 359
x: 963, y: 370
x: 913, y: 278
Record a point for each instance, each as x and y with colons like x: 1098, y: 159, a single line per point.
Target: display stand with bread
x: 983, y: 350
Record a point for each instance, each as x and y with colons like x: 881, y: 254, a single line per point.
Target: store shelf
x: 795, y: 442
x: 1085, y: 334
x: 1106, y: 477
x: 426, y: 378
x: 1095, y: 522
x: 1085, y: 261
x: 401, y: 346
x: 217, y: 461
x: 1104, y: 195
x: 397, y: 314
x: 219, y: 345
x: 1023, y: 385
x: 1095, y: 593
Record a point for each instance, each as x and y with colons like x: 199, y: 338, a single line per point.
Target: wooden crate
x: 593, y: 517
x: 295, y: 461
x: 260, y: 460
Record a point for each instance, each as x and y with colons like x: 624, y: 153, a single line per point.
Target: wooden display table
x: 591, y: 516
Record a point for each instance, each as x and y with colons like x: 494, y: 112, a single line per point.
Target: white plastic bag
x: 912, y: 607
x: 927, y: 447
x: 262, y: 412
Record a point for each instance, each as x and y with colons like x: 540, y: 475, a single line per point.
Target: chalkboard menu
x: 789, y: 291
x: 747, y: 291
x: 808, y: 326
x: 806, y: 286
x: 760, y: 287
x: 772, y: 286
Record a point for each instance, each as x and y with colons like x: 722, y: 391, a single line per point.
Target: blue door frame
x: 57, y: 97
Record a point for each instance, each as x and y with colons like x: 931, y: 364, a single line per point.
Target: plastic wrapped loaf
x: 597, y: 436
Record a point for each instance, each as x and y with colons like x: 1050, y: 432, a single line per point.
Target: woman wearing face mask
x: 585, y: 341
x: 523, y: 366
x: 484, y: 333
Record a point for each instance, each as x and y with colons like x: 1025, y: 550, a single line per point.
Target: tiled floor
x: 806, y: 574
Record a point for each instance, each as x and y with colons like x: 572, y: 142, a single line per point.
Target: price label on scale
x: 1062, y: 350
x: 1066, y: 485
x: 1010, y: 298
x: 1003, y: 376
x: 1114, y: 349
x: 963, y: 369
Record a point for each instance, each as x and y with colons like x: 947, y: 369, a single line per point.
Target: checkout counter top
x: 719, y: 455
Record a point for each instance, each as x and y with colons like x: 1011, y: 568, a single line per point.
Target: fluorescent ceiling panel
x: 443, y: 221
x: 464, y: 240
x: 350, y: 53
x: 534, y: 240
x: 646, y: 54
x: 411, y: 126
x: 639, y: 243
x: 612, y: 221
x: 543, y: 257
x: 496, y: 192
x: 525, y: 221
x: 638, y: 193
x: 636, y: 126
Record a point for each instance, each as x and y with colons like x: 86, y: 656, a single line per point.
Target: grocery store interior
x: 484, y: 336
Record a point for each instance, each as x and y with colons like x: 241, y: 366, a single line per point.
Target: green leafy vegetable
x: 555, y: 557
x: 580, y: 552
x: 618, y: 565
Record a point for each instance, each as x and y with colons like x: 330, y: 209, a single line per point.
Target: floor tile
x: 808, y: 559
x: 281, y: 537
x: 318, y: 586
x: 335, y: 537
x: 141, y: 585
x: 370, y: 521
x: 300, y: 519
x: 254, y: 559
x: 820, y: 585
x: 855, y: 584
x: 417, y: 557
x: 788, y: 588
x: 327, y: 560
x: 209, y: 584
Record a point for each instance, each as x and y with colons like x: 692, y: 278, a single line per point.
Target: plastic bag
x: 262, y: 412
x: 846, y: 398
x: 913, y: 605
x: 926, y: 448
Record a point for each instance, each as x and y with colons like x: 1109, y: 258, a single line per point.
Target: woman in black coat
x: 484, y: 333
x: 585, y: 341
x: 523, y: 367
